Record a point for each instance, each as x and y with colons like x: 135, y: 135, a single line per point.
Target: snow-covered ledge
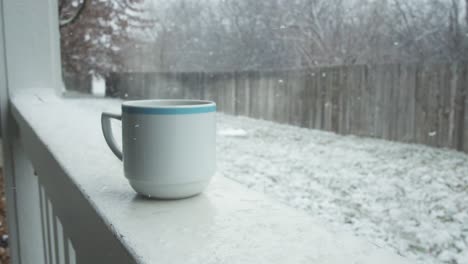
x: 106, y: 221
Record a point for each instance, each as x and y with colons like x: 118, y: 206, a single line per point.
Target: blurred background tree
x: 94, y: 33
x: 232, y: 35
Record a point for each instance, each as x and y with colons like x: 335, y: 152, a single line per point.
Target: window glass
x: 353, y: 111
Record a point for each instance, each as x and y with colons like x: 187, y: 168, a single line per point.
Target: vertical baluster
x: 66, y: 253
x: 59, y: 242
x: 71, y: 253
x: 45, y: 231
x: 50, y: 223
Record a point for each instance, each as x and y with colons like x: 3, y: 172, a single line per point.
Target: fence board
x: 463, y: 123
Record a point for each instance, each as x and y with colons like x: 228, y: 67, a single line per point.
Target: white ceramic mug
x: 169, y: 146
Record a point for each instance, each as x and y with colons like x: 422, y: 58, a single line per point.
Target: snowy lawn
x: 410, y: 198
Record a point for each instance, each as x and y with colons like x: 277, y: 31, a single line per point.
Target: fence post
x: 453, y: 105
x: 464, y: 133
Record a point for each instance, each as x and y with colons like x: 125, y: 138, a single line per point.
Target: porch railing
x: 73, y: 205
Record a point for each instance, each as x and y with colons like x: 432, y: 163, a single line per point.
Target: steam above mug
x: 169, y: 146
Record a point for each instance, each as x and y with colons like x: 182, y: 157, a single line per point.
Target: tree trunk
x: 466, y: 15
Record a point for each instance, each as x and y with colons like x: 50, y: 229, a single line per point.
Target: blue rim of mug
x: 168, y: 107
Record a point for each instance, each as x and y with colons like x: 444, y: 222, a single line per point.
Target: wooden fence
x: 410, y: 103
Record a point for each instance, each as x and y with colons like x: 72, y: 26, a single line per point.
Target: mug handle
x: 107, y: 131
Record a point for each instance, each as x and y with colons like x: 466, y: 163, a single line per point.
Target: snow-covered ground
x: 411, y: 198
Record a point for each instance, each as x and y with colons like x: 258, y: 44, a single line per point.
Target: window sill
x: 225, y: 224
